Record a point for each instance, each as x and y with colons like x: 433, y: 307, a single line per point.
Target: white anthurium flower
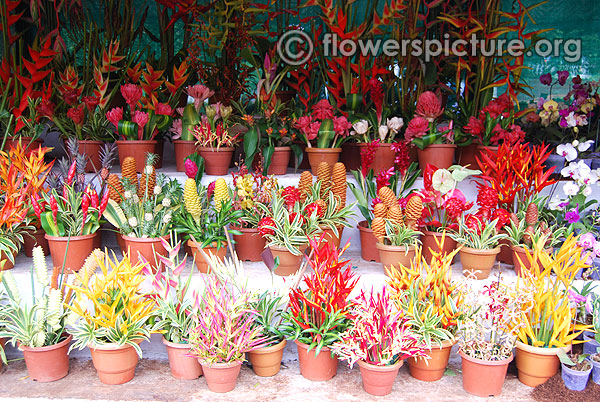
x: 570, y: 188
x: 442, y: 181
x: 383, y: 132
x: 584, y: 146
x: 567, y: 151
x: 361, y: 127
x: 395, y: 124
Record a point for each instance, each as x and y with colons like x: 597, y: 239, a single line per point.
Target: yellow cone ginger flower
x: 191, y: 200
x: 221, y: 193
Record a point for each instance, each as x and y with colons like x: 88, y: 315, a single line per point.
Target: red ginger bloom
x: 475, y: 127
x: 77, y: 114
x: 367, y: 155
x: 301, y: 218
x: 132, y: 94
x: 455, y: 207
x: 416, y: 128
x: 312, y: 207
x: 91, y: 102
x: 487, y: 197
x: 402, y: 160
x: 115, y: 115
x: 263, y: 224
x: 429, y: 106
x: 322, y: 110
x: 383, y: 178
x: 291, y: 195
x: 503, y: 217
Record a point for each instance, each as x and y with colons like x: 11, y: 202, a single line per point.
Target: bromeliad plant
x: 379, y: 333
x: 109, y: 306
x: 40, y: 321
x: 320, y: 310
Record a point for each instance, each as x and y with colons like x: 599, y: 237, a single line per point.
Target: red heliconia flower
x: 429, y: 106
x: 487, y: 197
x: 263, y: 224
x: 291, y: 195
x: 312, y: 207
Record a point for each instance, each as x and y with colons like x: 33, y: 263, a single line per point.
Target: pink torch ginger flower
x: 341, y: 125
x: 429, y: 106
x: 417, y: 128
x: 132, y: 94
x: 322, y: 110
x: 141, y: 119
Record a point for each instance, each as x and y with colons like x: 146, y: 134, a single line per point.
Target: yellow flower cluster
x: 245, y: 191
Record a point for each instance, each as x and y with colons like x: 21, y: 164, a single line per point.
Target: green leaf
x: 267, y: 153
x: 250, y: 145
x: 128, y: 129
x: 114, y: 214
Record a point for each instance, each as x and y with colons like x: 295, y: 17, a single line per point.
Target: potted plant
x: 174, y: 314
x: 183, y: 128
x: 145, y: 213
x: 435, y: 143
x: 21, y: 130
x: 14, y: 222
x: 550, y: 326
x: 396, y: 243
x: 479, y: 240
x: 380, y: 151
x: 38, y: 328
x: 112, y: 335
x: 487, y: 333
x: 70, y: 214
x: 434, y: 304
x: 225, y: 331
x: 576, y: 370
x: 319, y: 310
x: 205, y: 218
x: 329, y: 131
x: 443, y: 205
x: 379, y: 339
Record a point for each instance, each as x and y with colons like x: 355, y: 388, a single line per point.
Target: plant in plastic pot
x: 379, y: 339
x: 433, y: 304
x: 145, y: 210
x: 550, y: 326
x: 487, y: 333
x: 225, y: 331
x: 112, y: 334
x: 320, y: 310
x: 37, y: 326
x: 174, y: 315
x: 576, y: 370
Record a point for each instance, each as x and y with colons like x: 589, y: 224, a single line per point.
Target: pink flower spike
x: 167, y: 262
x: 173, y: 253
x: 179, y: 268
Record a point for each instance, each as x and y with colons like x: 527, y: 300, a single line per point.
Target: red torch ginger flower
x: 140, y: 118
x: 77, y: 114
x: 163, y: 109
x: 115, y: 115
x: 416, y: 128
x: 341, y: 126
x: 132, y: 94
x: 322, y: 110
x: 487, y: 197
x: 429, y: 106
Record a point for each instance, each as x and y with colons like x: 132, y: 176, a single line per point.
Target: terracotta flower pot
x: 136, y: 149
x: 183, y: 149
x: 183, y: 366
x: 36, y: 238
x: 384, y: 157
x: 216, y: 160
x: 478, y: 263
x: 8, y: 264
x: 114, y: 364
x: 26, y: 142
x: 201, y: 264
x: 279, y: 160
x: 92, y: 150
x: 396, y: 256
x: 439, y: 155
x: 431, y: 369
x: 330, y: 237
x: 520, y: 260
x: 318, y: 155
x: 368, y: 243
x: 505, y: 255
x: 429, y: 243
x: 79, y: 248
x: 47, y: 363
x: 467, y: 156
x: 249, y: 245
x: 350, y: 156
x: 147, y: 248
x: 378, y: 380
x: 221, y: 377
x: 536, y: 365
x: 316, y: 367
x: 266, y: 362
x: 482, y: 377
x: 288, y: 262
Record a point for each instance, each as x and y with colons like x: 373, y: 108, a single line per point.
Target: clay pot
x: 505, y: 255
x: 216, y: 161
x: 467, y: 155
x: 384, y: 157
x: 138, y: 150
x: 159, y: 150
x: 36, y: 238
x: 26, y: 142
x: 114, y: 364
x: 316, y: 367
x: 478, y: 263
x: 368, y: 243
x: 431, y: 369
x: 120, y: 242
x: 147, y: 248
x: 183, y: 149
x: 483, y: 148
x: 266, y: 362
x: 201, y: 264
x: 2, y: 344
x: 439, y: 155
x: 183, y: 366
x: 288, y: 262
x: 92, y: 150
x: 8, y: 264
x: 520, y: 260
x: 221, y: 377
x: 396, y: 256
x: 350, y: 156
x: 249, y: 245
x: 318, y: 155
x: 79, y: 248
x: 330, y: 237
x: 483, y: 377
x: 536, y: 365
x: 378, y: 380
x: 279, y: 161
x: 47, y: 363
x: 429, y: 243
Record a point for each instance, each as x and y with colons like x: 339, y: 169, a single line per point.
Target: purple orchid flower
x: 546, y: 79
x: 562, y: 77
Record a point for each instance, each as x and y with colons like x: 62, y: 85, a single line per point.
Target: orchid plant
x: 249, y: 190
x: 379, y: 333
